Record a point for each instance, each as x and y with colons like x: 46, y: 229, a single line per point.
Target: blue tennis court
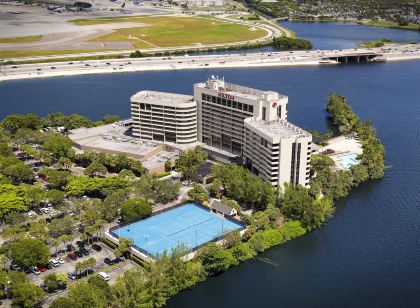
x: 188, y: 224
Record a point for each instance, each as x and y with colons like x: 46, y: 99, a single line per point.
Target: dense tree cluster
x: 373, y: 157
x: 189, y: 161
x: 101, y: 163
x: 243, y: 186
x: 30, y: 121
x: 290, y: 43
x: 135, y: 208
x: 392, y: 10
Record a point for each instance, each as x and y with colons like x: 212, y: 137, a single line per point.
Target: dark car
x: 72, y: 256
x: 80, y: 244
x: 15, y: 267
x: 85, y: 273
x: 70, y: 248
x: 96, y: 247
x: 38, y: 212
x: 119, y: 259
x: 108, y: 261
x: 90, y: 271
x: 48, y: 266
x: 84, y: 251
x: 79, y: 253
x: 45, y: 288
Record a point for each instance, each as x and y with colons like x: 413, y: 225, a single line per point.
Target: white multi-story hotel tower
x: 246, y: 122
x: 252, y: 123
x: 164, y: 117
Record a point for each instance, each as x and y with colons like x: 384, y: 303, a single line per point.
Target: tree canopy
x: 30, y: 252
x: 135, y: 208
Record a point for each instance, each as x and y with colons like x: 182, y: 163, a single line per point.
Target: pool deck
x: 342, y: 145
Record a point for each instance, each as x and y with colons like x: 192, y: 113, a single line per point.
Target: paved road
x: 313, y: 57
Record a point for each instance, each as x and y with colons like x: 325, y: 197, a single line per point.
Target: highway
x: 313, y: 57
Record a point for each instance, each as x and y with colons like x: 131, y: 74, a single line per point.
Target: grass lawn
x: 33, y: 53
x: 390, y: 24
x: 22, y: 39
x: 166, y: 31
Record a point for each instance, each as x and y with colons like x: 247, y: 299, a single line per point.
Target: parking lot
x: 69, y: 265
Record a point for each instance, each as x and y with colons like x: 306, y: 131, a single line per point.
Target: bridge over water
x: 355, y: 57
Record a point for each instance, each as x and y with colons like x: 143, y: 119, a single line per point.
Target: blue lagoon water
x: 368, y: 254
x: 341, y: 35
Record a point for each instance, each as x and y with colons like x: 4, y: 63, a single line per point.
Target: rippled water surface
x: 368, y: 255
x: 340, y: 35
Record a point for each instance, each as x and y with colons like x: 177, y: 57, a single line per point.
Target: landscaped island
x: 87, y: 191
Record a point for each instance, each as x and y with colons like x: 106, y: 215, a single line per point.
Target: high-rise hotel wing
x: 246, y: 122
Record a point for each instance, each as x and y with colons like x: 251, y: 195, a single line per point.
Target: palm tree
x: 79, y: 267
x: 91, y: 262
x: 99, y: 226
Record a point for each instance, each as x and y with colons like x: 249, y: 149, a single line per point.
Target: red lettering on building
x: 274, y: 105
x: 227, y: 96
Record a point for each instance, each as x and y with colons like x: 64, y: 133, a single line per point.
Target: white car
x: 104, y: 276
x: 60, y: 260
x: 54, y: 262
x: 35, y: 270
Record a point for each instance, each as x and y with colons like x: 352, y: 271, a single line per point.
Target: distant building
x: 164, y: 117
x: 203, y: 3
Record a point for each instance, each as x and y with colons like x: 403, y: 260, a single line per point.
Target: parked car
x: 60, y: 260
x: 84, y: 251
x: 72, y: 256
x: 48, y: 266
x: 96, y: 247
x: 79, y: 253
x: 70, y: 248
x: 38, y: 212
x: 85, y: 273
x: 35, y: 270
x: 42, y: 268
x: 45, y: 288
x: 71, y: 276
x: 104, y: 276
x: 54, y: 262
x: 108, y: 261
x: 119, y: 259
x: 15, y: 267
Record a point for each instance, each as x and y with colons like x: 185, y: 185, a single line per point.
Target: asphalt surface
x: 313, y: 57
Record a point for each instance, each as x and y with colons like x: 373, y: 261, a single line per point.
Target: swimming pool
x: 188, y: 224
x: 347, y: 160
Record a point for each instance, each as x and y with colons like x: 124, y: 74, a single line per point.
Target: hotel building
x: 165, y: 117
x: 249, y: 123
x: 222, y: 108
